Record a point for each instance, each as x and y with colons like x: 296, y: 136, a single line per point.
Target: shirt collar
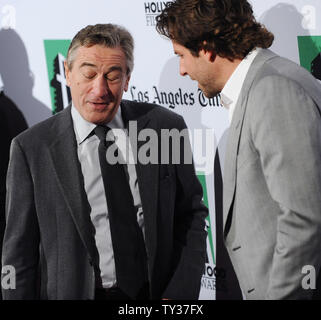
x: 83, y: 128
x: 233, y: 86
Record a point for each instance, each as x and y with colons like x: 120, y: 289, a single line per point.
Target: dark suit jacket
x: 12, y: 123
x: 48, y: 214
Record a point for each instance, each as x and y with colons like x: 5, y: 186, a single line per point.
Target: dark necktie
x: 127, y: 238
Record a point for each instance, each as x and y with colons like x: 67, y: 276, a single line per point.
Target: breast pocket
x: 247, y: 155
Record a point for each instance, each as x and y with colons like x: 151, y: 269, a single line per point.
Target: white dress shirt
x: 233, y: 87
x: 94, y: 187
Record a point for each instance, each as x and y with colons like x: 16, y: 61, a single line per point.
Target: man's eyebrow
x: 88, y: 64
x: 114, y: 68
x: 111, y: 69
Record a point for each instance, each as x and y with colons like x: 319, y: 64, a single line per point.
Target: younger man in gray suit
x: 272, y: 172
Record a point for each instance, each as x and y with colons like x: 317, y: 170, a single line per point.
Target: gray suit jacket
x: 272, y: 180
x: 49, y: 237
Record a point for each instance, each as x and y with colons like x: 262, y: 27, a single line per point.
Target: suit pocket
x: 165, y: 189
x: 246, y: 156
x: 166, y: 198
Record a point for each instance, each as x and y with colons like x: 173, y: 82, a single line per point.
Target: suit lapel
x: 234, y: 138
x: 64, y: 156
x: 63, y: 152
x: 148, y: 178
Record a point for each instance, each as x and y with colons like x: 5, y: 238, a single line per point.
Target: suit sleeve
x: 286, y: 131
x: 21, y: 239
x: 190, y: 232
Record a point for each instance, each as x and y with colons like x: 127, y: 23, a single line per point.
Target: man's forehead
x: 99, y: 54
x: 178, y: 47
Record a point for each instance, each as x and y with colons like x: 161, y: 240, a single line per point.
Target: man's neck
x: 227, y: 68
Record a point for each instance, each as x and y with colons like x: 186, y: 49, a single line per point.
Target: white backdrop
x: 25, y: 24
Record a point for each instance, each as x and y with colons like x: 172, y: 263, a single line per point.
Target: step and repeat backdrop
x: 34, y: 38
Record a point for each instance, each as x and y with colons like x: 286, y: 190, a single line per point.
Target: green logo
x: 310, y: 54
x: 56, y: 52
x: 202, y: 179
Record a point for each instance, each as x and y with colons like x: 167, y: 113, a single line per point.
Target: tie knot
x: 101, y: 132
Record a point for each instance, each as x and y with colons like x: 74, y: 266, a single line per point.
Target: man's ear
x: 67, y: 73
x: 208, y: 55
x: 127, y: 83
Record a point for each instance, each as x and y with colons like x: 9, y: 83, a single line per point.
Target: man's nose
x: 182, y: 69
x: 100, y: 86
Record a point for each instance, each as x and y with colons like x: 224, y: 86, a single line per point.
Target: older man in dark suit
x: 81, y: 226
x: 12, y: 122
